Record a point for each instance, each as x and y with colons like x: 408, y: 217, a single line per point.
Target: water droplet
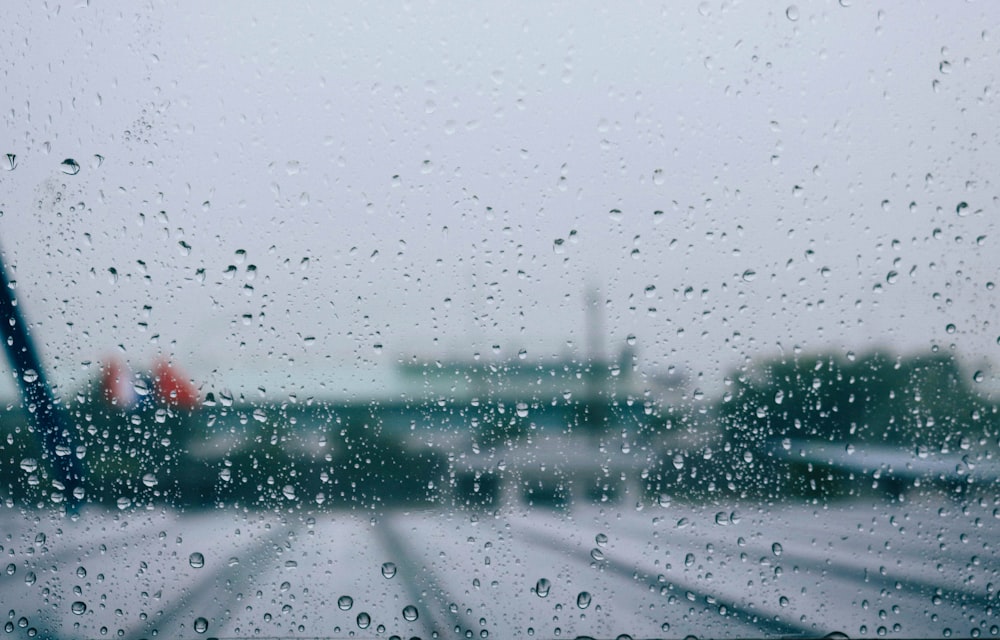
x: 749, y: 275
x: 601, y: 539
x: 891, y: 277
x: 288, y: 491
x: 124, y: 502
x: 364, y: 620
x: 78, y: 608
x: 522, y: 410
x: 345, y: 603
x: 30, y: 578
x: 949, y: 328
x: 792, y: 13
x: 388, y: 570
x: 410, y: 613
x: 722, y: 518
x: 978, y: 376
x: 149, y: 480
x: 81, y: 572
x: 542, y: 587
x: 200, y: 625
x: 583, y: 600
x: 962, y: 209
x: 29, y: 465
x: 11, y: 163
x: 196, y: 560
x: 783, y: 601
x: 11, y: 569
x: 70, y: 167
x: 30, y: 375
x: 678, y: 461
x: 597, y: 554
x: 776, y: 548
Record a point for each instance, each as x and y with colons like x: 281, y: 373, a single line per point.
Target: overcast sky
x: 281, y: 188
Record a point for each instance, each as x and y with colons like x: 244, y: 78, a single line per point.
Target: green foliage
x: 920, y: 400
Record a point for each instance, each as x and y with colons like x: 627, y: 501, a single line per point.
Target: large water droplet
x: 79, y: 608
x: 196, y: 560
x: 542, y: 587
x: 345, y: 603
x: 29, y: 465
x: 70, y: 167
x: 149, y: 480
x: 583, y: 600
x: 410, y: 613
x: 200, y: 625
x: 388, y: 570
x: 364, y: 620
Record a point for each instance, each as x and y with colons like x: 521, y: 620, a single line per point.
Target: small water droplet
x: 601, y: 539
x: 200, y: 625
x: 196, y: 560
x: 949, y: 328
x: 70, y: 167
x: 978, y: 376
x: 792, y: 13
x: 722, y: 518
x: 962, y: 209
x: 29, y: 465
x: 81, y: 572
x: 30, y: 375
x: 149, y: 480
x: 11, y: 162
x: 410, y: 613
x: 583, y: 600
x: 79, y: 607
x: 776, y: 548
x: 345, y: 603
x: 542, y: 587
x: 749, y: 275
x: 30, y: 578
x: 388, y: 570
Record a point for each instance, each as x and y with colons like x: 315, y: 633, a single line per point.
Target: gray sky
x: 438, y: 178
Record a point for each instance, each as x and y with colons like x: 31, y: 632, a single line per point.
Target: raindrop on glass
x: 583, y: 600
x: 196, y: 560
x: 542, y: 587
x: 388, y: 570
x: 345, y: 603
x: 200, y: 625
x: 70, y: 167
x: 78, y: 608
x: 410, y: 613
x: 364, y: 620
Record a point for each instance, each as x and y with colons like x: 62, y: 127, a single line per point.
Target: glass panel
x: 492, y: 321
